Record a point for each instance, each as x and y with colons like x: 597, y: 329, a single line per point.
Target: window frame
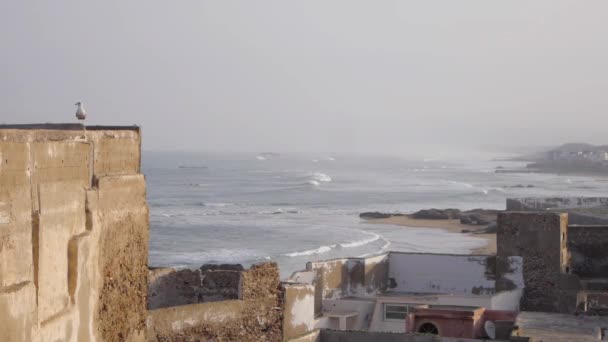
x: 385, y: 307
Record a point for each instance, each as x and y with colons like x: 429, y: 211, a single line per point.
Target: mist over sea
x: 248, y: 208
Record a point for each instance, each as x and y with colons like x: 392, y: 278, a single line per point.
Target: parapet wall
x: 170, y: 287
x: 581, y: 210
x: 360, y: 277
x: 256, y: 316
x: 547, y: 203
x: 73, y: 234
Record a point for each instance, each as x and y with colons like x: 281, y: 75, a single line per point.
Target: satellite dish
x: 490, y: 328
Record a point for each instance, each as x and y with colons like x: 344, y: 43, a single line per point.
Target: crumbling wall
x: 540, y: 238
x: 58, y: 206
x: 170, y: 287
x: 588, y: 251
x: 358, y: 277
x: 257, y: 316
x: 123, y: 256
x: 299, y: 311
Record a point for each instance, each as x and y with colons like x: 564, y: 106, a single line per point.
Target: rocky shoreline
x: 477, y: 221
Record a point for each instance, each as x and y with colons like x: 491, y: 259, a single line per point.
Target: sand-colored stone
x: 73, y: 234
x: 62, y: 216
x: 16, y: 264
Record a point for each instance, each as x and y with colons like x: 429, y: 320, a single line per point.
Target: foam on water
x: 216, y: 205
x: 358, y: 243
x: 321, y: 177
x: 320, y: 250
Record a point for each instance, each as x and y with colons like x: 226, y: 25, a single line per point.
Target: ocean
x: 248, y: 208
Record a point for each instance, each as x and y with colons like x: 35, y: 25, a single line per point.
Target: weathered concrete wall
x: 588, y: 250
x: 258, y: 316
x: 170, y: 287
x: 454, y: 274
x: 73, y: 234
x: 364, y: 308
x: 359, y: 277
x: 299, y: 314
x: 540, y: 238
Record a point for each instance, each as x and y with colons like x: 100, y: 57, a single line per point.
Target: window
x: 395, y: 311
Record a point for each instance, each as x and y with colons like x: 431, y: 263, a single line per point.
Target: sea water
x: 248, y: 208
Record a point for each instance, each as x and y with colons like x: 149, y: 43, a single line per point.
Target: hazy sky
x: 312, y: 75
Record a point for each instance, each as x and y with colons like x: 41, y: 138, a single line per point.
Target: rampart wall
x: 257, y: 314
x: 73, y: 234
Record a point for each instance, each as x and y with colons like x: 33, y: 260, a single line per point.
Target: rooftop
x: 554, y: 327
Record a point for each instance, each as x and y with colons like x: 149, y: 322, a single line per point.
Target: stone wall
x: 73, y: 234
x: 540, y: 238
x: 256, y: 316
x: 588, y: 250
x: 170, y: 287
x: 581, y: 210
x: 547, y: 203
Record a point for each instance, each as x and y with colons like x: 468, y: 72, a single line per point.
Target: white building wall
x: 439, y: 273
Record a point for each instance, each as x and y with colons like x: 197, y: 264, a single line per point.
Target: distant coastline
x: 573, y: 159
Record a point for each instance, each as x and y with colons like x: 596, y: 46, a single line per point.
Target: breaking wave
x: 216, y: 205
x: 325, y: 249
x: 284, y: 211
x: 466, y: 185
x: 485, y: 191
x: 317, y: 178
x: 488, y: 191
x: 321, y: 177
x: 358, y: 243
x: 320, y: 250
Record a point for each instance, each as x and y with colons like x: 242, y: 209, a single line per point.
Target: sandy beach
x: 453, y: 226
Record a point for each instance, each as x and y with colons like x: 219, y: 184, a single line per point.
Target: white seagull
x: 81, y: 114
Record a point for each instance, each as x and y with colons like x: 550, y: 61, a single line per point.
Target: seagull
x: 81, y: 114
